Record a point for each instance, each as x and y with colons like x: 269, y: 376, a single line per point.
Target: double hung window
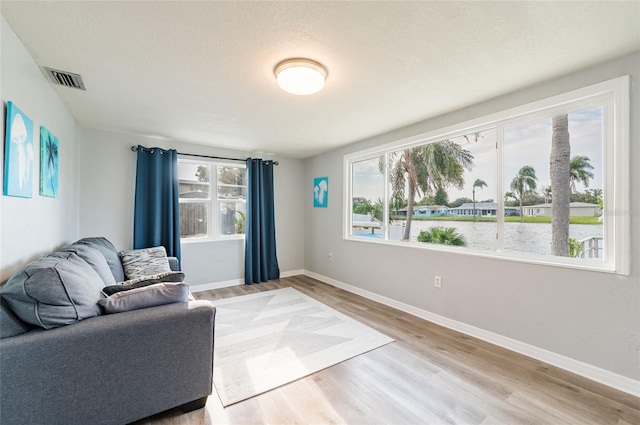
x: 212, y: 199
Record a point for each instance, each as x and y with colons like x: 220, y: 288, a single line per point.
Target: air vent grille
x: 64, y: 78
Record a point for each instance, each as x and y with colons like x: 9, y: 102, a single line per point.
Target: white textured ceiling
x: 202, y: 72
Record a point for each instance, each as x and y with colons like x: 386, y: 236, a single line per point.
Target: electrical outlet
x: 331, y: 256
x: 437, y: 282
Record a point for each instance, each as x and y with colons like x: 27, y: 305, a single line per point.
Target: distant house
x: 399, y: 212
x: 430, y: 211
x: 483, y: 209
x: 423, y: 211
x: 576, y: 209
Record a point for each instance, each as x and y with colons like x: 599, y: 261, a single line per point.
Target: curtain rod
x: 135, y: 149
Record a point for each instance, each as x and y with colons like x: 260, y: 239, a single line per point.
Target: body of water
x: 525, y: 237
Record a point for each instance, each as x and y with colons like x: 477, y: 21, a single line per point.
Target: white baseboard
x: 215, y: 285
x: 292, y: 273
x: 234, y: 282
x: 594, y: 373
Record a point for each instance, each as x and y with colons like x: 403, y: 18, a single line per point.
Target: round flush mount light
x: 300, y: 76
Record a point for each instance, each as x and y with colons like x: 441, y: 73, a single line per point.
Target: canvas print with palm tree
x: 48, y: 163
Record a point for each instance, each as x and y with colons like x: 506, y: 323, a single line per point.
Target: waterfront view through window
x: 534, y: 185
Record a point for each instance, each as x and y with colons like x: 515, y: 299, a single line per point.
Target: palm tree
x: 547, y: 194
x: 442, y: 236
x: 51, y: 154
x: 426, y: 168
x: 561, y: 185
x: 510, y: 195
x: 580, y: 171
x: 524, y: 182
x: 479, y: 184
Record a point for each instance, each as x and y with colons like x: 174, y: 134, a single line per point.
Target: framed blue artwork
x: 18, y: 153
x: 320, y: 192
x: 48, y: 163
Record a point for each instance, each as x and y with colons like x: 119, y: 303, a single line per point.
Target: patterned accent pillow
x: 143, y: 281
x: 144, y: 262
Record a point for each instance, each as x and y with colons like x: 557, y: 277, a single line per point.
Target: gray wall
x: 32, y: 227
x: 107, y: 172
x: 588, y: 316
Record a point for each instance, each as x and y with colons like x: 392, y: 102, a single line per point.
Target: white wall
x: 107, y: 172
x: 587, y: 316
x: 32, y: 227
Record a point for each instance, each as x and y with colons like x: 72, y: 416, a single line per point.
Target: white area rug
x: 268, y: 339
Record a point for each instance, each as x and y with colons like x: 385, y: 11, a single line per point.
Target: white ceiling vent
x: 64, y: 78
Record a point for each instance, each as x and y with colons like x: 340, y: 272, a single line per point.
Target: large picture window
x: 546, y: 182
x: 212, y: 199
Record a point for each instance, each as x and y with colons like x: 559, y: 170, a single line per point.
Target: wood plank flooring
x: 430, y: 375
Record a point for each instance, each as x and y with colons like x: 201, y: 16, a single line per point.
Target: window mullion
x: 500, y: 189
x: 385, y: 203
x: 214, y: 203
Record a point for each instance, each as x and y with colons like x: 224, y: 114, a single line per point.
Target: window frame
x: 612, y: 94
x: 213, y: 202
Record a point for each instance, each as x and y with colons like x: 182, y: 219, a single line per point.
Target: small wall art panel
x: 18, y: 153
x: 320, y: 192
x: 48, y: 163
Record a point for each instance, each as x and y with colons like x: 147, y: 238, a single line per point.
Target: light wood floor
x: 430, y: 375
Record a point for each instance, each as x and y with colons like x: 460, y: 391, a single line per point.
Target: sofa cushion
x: 55, y: 290
x: 10, y: 325
x: 148, y: 296
x: 144, y: 262
x: 143, y: 281
x: 110, y: 254
x: 94, y: 258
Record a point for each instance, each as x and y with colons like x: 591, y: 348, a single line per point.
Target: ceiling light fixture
x: 300, y: 76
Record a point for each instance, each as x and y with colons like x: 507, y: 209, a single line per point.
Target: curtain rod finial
x: 134, y: 148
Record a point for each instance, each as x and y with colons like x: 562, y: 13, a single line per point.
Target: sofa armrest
x: 110, y: 369
x: 173, y: 264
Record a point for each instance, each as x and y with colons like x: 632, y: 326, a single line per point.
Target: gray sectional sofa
x: 64, y: 361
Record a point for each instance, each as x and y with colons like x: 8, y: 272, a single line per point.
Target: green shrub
x: 575, y: 248
x: 442, y: 236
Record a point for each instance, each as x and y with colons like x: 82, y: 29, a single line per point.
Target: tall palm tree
x: 559, y: 166
x: 426, y: 168
x: 547, y: 194
x: 479, y: 184
x: 580, y: 171
x: 524, y: 182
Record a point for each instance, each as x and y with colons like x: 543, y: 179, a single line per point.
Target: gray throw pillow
x: 148, y: 296
x: 55, y: 290
x: 144, y: 262
x: 94, y: 258
x: 143, y: 281
x: 110, y: 254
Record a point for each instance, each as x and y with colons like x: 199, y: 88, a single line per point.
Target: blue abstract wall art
x: 320, y: 192
x: 18, y: 153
